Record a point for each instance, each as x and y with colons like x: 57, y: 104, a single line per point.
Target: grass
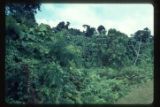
x: 139, y: 95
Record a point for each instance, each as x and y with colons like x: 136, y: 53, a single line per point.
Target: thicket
x: 63, y: 65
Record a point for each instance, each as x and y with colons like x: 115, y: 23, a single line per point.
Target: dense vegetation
x: 63, y: 65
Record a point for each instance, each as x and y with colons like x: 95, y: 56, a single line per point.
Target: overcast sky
x: 127, y: 18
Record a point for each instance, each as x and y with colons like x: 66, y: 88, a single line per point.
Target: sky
x: 127, y: 18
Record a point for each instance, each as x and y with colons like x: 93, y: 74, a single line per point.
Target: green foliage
x: 23, y: 13
x: 143, y: 35
x: 67, y: 66
x: 12, y: 28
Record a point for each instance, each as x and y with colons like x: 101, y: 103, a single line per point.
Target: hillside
x: 62, y: 65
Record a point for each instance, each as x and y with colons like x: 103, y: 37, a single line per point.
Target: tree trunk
x: 137, y: 53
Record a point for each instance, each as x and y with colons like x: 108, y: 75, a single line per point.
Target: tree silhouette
x: 62, y: 25
x: 89, y: 30
x: 101, y: 29
x: 67, y: 25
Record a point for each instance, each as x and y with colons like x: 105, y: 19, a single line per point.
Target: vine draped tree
x: 137, y: 42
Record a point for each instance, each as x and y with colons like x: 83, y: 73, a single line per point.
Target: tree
x: 138, y: 41
x: 23, y: 13
x: 89, y: 30
x: 101, y: 29
x: 66, y: 26
x: 12, y: 29
x: 115, y: 53
x: 61, y: 26
x: 142, y: 35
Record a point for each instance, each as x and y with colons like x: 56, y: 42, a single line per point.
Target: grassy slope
x: 139, y: 95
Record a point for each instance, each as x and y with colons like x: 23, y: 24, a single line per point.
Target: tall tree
x: 62, y: 25
x: 142, y: 35
x: 138, y: 41
x: 101, y: 29
x: 115, y: 53
x: 89, y: 30
x: 67, y: 25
